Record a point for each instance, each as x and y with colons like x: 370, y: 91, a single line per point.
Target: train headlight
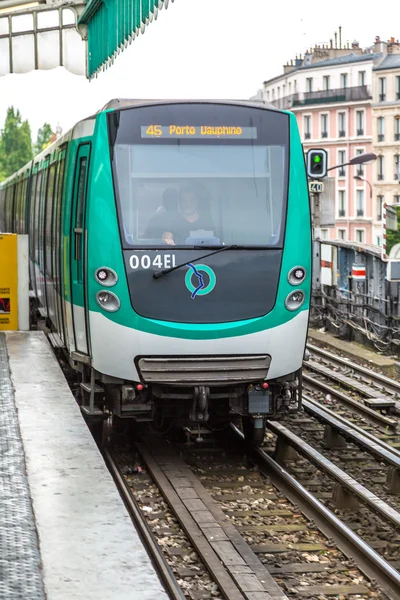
x: 106, y: 276
x: 108, y: 301
x: 295, y: 300
x: 296, y: 275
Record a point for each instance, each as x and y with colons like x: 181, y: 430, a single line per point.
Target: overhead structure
x: 85, y: 37
x: 113, y: 25
x: 41, y: 35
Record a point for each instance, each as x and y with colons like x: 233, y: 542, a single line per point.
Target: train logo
x: 201, y: 288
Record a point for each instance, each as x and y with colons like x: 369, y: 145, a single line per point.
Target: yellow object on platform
x: 8, y: 282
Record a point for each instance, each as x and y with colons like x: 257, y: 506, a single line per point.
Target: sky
x: 198, y: 49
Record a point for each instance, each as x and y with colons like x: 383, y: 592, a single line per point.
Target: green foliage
x: 43, y: 138
x: 15, y: 144
x: 393, y: 237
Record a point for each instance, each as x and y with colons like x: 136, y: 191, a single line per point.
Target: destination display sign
x: 198, y: 131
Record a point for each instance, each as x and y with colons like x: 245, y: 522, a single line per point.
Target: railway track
x: 237, y: 527
x: 377, y: 390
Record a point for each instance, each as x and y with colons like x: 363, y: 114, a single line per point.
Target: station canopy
x: 84, y: 37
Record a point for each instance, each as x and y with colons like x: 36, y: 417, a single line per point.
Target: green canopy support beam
x: 112, y: 25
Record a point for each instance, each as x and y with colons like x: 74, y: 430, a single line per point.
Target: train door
x: 78, y: 249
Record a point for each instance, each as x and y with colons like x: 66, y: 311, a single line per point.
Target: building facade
x: 331, y: 92
x: 386, y: 131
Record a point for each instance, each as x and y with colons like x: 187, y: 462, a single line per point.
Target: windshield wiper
x: 159, y: 274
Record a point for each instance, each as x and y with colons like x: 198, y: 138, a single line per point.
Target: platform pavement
x: 65, y: 533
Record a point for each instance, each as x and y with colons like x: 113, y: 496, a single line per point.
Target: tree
x: 15, y: 143
x: 43, y: 138
x: 393, y: 237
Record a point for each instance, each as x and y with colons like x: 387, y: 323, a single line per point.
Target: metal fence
x: 356, y: 294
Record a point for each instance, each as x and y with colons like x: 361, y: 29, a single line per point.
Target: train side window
x: 41, y: 217
x: 81, y: 193
x: 49, y: 212
x: 32, y: 216
x: 36, y: 226
x: 57, y: 224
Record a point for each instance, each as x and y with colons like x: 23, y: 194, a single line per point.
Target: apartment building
x: 386, y: 132
x: 330, y: 89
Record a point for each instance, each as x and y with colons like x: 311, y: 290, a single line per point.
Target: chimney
x: 331, y: 43
x: 340, y: 37
x: 335, y: 40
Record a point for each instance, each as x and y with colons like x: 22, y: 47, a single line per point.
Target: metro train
x: 170, y: 258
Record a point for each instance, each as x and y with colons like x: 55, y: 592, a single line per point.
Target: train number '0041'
x: 144, y: 261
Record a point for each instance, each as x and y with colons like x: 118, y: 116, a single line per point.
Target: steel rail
x: 361, y: 438
x: 388, y: 383
x: 370, y: 414
x: 311, y: 454
x: 145, y: 533
x: 367, y: 559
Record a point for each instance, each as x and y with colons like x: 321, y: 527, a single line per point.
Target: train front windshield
x: 200, y: 174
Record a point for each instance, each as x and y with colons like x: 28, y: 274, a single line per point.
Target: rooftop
x: 391, y: 61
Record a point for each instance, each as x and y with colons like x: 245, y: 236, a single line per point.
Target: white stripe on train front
x: 115, y: 347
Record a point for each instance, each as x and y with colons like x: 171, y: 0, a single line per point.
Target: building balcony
x: 381, y: 137
x: 360, y: 212
x: 382, y: 97
x: 324, y: 134
x: 342, y: 133
x: 342, y: 212
x: 380, y: 176
x: 342, y: 173
x: 397, y: 137
x: 307, y: 136
x: 349, y: 94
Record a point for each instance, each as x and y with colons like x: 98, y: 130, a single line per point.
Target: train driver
x: 190, y: 218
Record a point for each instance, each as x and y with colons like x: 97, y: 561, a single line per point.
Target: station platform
x: 354, y: 351
x: 65, y: 533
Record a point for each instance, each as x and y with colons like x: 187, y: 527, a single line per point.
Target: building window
x: 342, y: 161
x: 381, y: 129
x: 397, y: 87
x: 379, y: 206
x: 382, y: 89
x: 309, y: 84
x: 397, y: 167
x: 324, y: 234
x: 343, y: 80
x: 360, y: 236
x: 290, y: 88
x: 342, y: 234
x: 360, y: 168
x: 268, y: 96
x: 342, y: 124
x: 283, y: 90
x: 326, y: 82
x: 396, y: 199
x: 295, y: 86
x: 307, y: 127
x: 342, y: 203
x: 278, y: 95
x: 379, y: 240
x: 273, y: 94
x: 360, y: 122
x: 361, y: 77
x: 360, y: 203
x: 397, y: 129
x: 381, y: 168
x: 324, y: 126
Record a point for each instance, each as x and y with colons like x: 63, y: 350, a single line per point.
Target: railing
x: 307, y: 136
x: 397, y: 137
x: 360, y: 131
x: 349, y: 94
x: 324, y: 134
x: 342, y: 173
x: 381, y: 137
x: 360, y: 212
x: 382, y: 97
x: 342, y: 212
x: 380, y: 176
x: 342, y: 133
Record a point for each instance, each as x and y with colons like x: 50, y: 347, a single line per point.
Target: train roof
x: 121, y: 103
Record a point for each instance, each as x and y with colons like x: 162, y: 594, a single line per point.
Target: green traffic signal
x: 317, y: 158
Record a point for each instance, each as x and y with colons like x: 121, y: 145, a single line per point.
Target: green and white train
x: 170, y: 255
